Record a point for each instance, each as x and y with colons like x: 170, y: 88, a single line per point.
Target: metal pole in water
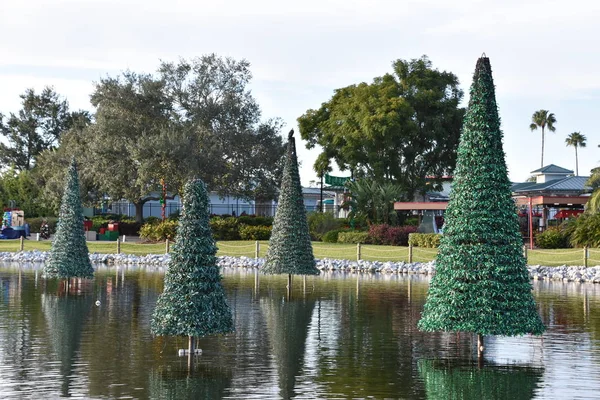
x: 480, y: 347
x: 191, y: 351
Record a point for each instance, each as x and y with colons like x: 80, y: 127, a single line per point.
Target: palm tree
x: 576, y: 140
x: 543, y: 119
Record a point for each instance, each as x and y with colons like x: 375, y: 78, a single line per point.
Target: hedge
x: 353, y: 237
x: 158, y: 232
x: 36, y: 223
x: 249, y: 232
x: 431, y: 240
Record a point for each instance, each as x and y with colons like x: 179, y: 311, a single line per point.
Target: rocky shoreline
x: 536, y: 272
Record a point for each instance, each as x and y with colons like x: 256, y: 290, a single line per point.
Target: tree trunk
x: 542, y: 166
x: 139, y: 211
x: 576, y: 163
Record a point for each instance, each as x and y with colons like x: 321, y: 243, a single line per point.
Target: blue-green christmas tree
x: 193, y: 301
x: 69, y: 255
x: 481, y: 283
x: 290, y: 249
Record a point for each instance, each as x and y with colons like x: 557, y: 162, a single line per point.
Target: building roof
x: 552, y: 169
x: 571, y: 184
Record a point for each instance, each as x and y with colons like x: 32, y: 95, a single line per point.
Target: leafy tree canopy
x: 402, y: 127
x: 36, y: 127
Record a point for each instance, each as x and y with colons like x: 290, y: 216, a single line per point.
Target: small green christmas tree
x: 481, y: 283
x: 69, y: 255
x: 193, y: 302
x: 290, y: 250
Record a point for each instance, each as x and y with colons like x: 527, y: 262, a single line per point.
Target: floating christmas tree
x: 69, y: 255
x: 481, y: 283
x: 290, y: 250
x: 193, y: 301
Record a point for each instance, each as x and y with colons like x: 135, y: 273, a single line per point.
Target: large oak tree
x: 402, y: 127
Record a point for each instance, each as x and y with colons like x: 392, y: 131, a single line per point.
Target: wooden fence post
x: 118, y: 246
x: 585, y: 256
x: 358, y: 252
x: 410, y: 253
x: 22, y: 243
x: 257, y: 249
x: 167, y: 246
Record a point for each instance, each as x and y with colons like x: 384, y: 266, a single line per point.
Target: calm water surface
x: 339, y: 336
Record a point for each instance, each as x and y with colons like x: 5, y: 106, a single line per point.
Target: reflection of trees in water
x: 451, y: 381
x: 120, y: 349
x: 202, y: 383
x: 287, y: 322
x: 66, y: 316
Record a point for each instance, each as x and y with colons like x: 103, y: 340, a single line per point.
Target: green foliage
x: 69, y: 256
x: 429, y: 240
x: 255, y: 220
x: 585, y: 230
x: 259, y: 232
x: 576, y: 140
x: 353, y: 237
x: 193, y: 301
x: 543, y: 119
x: 36, y: 127
x: 331, y: 236
x: 232, y: 150
x: 553, y: 238
x: 152, y: 220
x: 401, y: 127
x: 159, y: 231
x: 36, y: 223
x: 445, y: 380
x: 225, y: 228
x: 373, y: 201
x: 290, y: 250
x: 319, y: 223
x: 22, y: 188
x: 481, y: 283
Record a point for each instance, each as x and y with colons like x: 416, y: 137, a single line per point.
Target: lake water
x: 339, y: 336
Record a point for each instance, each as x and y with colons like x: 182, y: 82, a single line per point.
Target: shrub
x: 585, y: 230
x: 129, y: 228
x: 320, y: 223
x: 151, y: 220
x: 36, y: 223
x: 225, y: 228
x: 377, y: 233
x: 353, y: 237
x: 158, y: 232
x: 249, y: 232
x: 431, y: 240
x: 552, y: 238
x: 253, y: 220
x: 390, y: 235
x: 331, y: 236
x: 174, y: 216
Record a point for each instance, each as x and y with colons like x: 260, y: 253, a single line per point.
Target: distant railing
x: 155, y: 209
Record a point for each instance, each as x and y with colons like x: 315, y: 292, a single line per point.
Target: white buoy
x: 97, y: 303
x: 185, y: 352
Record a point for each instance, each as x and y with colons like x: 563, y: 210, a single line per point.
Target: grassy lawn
x: 341, y: 251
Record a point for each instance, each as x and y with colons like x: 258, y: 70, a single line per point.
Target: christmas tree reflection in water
x: 445, y: 380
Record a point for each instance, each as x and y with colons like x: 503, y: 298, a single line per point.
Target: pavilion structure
x: 556, y: 194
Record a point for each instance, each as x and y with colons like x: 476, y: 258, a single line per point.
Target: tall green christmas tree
x: 69, y: 255
x: 193, y: 301
x: 290, y: 250
x: 481, y: 283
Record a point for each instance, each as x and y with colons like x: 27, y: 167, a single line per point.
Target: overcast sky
x: 544, y: 54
